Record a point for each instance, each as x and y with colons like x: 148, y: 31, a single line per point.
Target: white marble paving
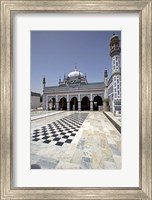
x: 96, y: 145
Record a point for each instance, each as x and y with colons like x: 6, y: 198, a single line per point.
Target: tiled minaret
x: 116, y: 72
x: 44, y: 97
x: 106, y: 101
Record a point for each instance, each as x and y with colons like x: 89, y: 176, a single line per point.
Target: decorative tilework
x: 61, y: 131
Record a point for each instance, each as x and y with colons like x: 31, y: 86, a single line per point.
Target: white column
x: 44, y: 102
x: 57, y: 105
x: 106, y: 93
x: 68, y: 97
x: 79, y: 97
x: 91, y: 105
x: 91, y: 98
x: 79, y: 105
x: 57, y: 98
x: 113, y: 106
x: 91, y: 102
x: 68, y: 105
x: 79, y: 102
x: 57, y: 102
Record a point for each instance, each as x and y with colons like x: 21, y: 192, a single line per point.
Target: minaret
x: 116, y: 73
x: 106, y: 101
x: 44, y: 96
x: 106, y: 84
x: 44, y: 82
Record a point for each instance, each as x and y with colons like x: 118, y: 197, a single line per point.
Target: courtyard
x: 74, y: 140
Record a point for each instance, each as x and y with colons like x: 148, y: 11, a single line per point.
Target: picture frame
x: 8, y: 8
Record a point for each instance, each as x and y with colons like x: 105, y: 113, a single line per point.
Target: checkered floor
x: 61, y: 131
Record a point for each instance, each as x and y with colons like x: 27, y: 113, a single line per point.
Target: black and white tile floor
x: 61, y: 131
x: 75, y: 140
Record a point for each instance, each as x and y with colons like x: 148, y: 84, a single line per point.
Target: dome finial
x: 59, y: 79
x: 75, y: 67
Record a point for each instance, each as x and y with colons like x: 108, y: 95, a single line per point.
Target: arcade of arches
x: 74, y: 104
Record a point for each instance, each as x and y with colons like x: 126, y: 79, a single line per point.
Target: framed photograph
x: 76, y: 99
x: 64, y: 125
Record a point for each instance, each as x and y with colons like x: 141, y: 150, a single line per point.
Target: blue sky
x: 55, y: 53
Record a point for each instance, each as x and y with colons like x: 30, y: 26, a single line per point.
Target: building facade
x: 35, y: 100
x: 74, y: 92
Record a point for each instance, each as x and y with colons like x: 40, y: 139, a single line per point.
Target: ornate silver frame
x: 144, y: 8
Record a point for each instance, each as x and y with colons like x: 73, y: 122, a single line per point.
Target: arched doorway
x: 74, y: 104
x: 97, y: 101
x: 85, y: 103
x: 63, y: 104
x: 51, y: 104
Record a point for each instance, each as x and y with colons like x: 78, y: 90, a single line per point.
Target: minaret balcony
x: 115, y: 51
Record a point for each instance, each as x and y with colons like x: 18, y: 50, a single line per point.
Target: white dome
x: 75, y: 74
